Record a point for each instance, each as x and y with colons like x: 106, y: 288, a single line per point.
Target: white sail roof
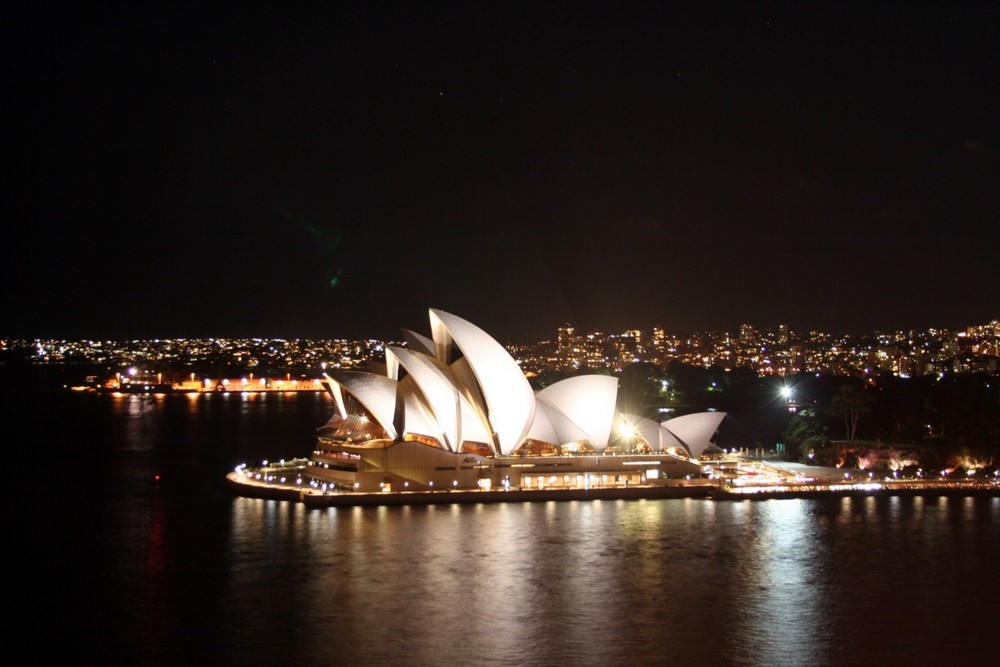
x: 647, y: 429
x: 693, y: 432
x: 418, y: 342
x: 461, y: 385
x: 508, y: 398
x: 376, y: 393
x: 587, y: 400
x: 456, y: 418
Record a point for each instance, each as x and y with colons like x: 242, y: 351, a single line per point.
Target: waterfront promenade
x: 797, y: 485
x: 207, y: 387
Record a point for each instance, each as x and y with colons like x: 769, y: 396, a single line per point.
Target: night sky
x: 331, y: 170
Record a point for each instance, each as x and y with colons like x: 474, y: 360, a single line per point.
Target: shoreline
x: 312, y: 499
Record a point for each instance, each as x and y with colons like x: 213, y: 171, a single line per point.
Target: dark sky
x: 332, y: 170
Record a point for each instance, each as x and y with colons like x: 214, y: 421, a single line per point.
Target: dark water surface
x: 114, y: 567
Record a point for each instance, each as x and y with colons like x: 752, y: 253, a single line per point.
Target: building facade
x: 455, y: 411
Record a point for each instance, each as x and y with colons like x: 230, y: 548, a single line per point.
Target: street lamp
x: 788, y: 394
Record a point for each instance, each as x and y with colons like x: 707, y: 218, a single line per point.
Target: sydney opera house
x: 455, y: 411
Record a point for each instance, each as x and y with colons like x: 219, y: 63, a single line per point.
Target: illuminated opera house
x: 455, y: 411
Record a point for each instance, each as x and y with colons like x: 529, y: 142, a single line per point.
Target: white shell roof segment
x: 418, y: 417
x: 376, y: 392
x: 693, y: 431
x: 418, y: 342
x: 443, y: 398
x: 565, y: 430
x: 508, y: 396
x: 439, y: 393
x: 649, y: 431
x: 338, y: 395
x: 541, y: 426
x: 589, y: 401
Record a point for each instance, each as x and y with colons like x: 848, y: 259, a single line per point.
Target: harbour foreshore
x: 244, y: 486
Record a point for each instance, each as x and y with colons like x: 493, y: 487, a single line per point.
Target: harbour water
x: 129, y: 550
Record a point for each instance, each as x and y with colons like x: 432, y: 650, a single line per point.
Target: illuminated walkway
x: 283, y: 482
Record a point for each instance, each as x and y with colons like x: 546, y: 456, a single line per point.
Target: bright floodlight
x: 786, y: 392
x: 627, y: 430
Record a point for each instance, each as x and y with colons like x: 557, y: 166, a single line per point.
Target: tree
x: 640, y: 389
x: 850, y: 404
x: 805, y: 434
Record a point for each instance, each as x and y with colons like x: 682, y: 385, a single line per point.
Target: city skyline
x: 768, y: 352
x: 240, y: 170
x: 766, y: 329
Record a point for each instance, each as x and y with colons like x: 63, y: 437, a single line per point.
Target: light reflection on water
x: 180, y: 572
x: 786, y: 582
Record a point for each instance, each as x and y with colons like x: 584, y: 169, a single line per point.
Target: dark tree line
x: 836, y: 419
x: 948, y: 421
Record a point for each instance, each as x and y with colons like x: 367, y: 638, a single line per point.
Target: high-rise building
x: 659, y: 338
x: 564, y: 338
